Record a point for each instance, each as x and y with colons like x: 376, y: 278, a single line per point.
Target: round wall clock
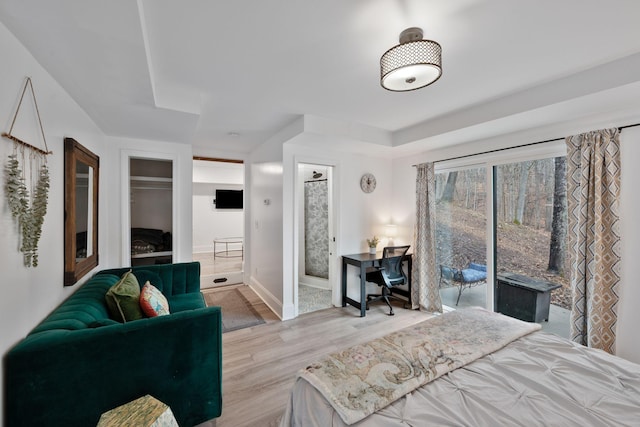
x: 368, y: 183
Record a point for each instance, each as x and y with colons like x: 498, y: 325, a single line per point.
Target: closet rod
x: 517, y: 146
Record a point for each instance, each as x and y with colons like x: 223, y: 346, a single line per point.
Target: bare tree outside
x: 557, y: 244
x: 525, y: 167
x: 450, y: 187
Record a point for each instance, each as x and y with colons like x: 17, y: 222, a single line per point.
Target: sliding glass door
x: 461, y: 243
x: 501, y: 234
x: 532, y: 265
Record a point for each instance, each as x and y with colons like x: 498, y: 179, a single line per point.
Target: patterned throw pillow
x: 152, y: 301
x: 123, y: 299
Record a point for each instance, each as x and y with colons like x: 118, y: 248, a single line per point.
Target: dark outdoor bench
x: 465, y: 278
x: 523, y: 297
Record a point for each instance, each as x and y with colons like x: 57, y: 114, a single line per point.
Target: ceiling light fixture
x: 413, y: 64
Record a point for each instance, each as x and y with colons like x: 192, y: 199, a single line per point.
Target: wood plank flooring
x: 210, y: 265
x: 260, y: 363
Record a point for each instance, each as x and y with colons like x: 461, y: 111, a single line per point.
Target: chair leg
x: 387, y: 294
x: 386, y: 299
x: 459, y: 293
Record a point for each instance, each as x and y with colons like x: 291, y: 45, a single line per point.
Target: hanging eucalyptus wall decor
x: 27, y: 186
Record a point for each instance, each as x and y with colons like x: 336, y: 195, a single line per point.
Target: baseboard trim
x: 315, y: 282
x: 266, y: 296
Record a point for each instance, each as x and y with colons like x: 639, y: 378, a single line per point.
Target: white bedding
x: 538, y: 380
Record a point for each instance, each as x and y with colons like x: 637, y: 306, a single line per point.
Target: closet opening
x: 151, y: 211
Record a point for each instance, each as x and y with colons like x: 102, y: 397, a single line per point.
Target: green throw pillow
x: 123, y: 299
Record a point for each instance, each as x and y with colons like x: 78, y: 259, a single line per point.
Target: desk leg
x: 363, y: 290
x: 410, y: 267
x: 344, y: 283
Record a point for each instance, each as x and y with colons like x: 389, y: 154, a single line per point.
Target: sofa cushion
x: 152, y: 302
x: 184, y: 302
x: 152, y: 277
x: 123, y: 299
x: 476, y: 266
x: 102, y: 322
x: 472, y: 275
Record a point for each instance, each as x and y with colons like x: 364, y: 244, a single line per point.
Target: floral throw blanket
x: 365, y: 378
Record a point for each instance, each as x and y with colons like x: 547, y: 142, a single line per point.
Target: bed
x: 469, y: 367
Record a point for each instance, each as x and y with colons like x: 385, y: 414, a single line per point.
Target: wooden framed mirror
x: 81, y: 173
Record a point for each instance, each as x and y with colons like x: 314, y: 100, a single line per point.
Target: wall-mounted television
x: 228, y: 199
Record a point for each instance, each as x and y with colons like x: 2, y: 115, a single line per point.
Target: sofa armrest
x: 68, y: 378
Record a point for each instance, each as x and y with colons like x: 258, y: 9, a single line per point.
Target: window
x: 461, y: 225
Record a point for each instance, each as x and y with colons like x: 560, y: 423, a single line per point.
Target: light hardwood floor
x: 210, y: 265
x: 260, y: 363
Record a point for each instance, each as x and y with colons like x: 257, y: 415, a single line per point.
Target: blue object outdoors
x: 468, y: 277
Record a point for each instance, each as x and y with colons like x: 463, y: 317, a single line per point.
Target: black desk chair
x: 388, y: 275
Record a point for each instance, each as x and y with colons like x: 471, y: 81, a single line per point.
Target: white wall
x: 214, y: 172
x: 263, y: 226
x: 208, y: 222
x: 628, y: 345
x: 29, y: 294
x: 151, y: 208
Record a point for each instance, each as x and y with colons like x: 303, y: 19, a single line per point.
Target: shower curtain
x: 316, y: 228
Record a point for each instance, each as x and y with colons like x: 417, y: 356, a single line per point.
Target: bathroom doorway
x: 315, y: 240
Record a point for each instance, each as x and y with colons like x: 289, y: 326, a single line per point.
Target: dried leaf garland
x: 30, y: 216
x: 15, y: 188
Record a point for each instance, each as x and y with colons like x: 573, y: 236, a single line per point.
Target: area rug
x: 237, y: 311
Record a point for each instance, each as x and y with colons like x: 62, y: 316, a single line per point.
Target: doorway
x: 314, y: 243
x: 531, y: 257
x: 218, y: 220
x: 151, y: 231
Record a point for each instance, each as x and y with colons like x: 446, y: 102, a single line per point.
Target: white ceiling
x: 227, y: 75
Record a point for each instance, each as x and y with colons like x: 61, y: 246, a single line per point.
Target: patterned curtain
x: 593, y: 185
x: 424, y: 286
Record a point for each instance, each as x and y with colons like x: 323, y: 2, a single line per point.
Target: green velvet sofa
x: 78, y: 363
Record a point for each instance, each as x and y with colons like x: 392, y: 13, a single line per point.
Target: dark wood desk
x: 363, y: 261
